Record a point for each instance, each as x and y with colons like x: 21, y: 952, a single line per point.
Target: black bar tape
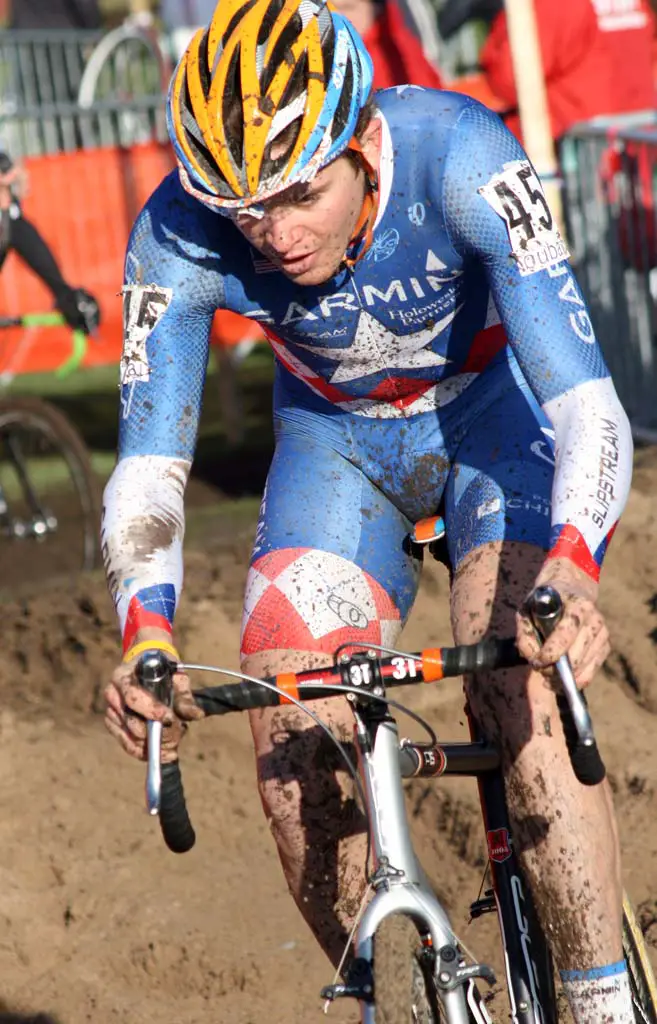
x: 587, y: 764
x: 176, y: 827
x: 220, y: 700
x: 545, y: 609
x: 484, y: 656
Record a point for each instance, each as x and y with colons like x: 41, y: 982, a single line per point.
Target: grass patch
x: 229, y: 517
x: 46, y: 474
x: 90, y: 399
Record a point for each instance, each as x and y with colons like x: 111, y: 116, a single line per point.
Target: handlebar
x: 545, y: 608
x: 363, y: 673
x: 164, y: 790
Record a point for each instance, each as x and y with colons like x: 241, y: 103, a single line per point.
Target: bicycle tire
x: 400, y: 990
x: 642, y: 979
x: 39, y: 415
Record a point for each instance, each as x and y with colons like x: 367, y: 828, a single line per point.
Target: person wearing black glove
x: 78, y: 306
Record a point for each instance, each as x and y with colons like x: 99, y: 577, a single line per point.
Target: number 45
x: 517, y: 212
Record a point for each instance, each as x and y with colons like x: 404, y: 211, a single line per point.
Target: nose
x: 282, y: 231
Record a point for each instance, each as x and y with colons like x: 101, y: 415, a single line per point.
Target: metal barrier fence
x: 65, y: 127
x: 116, y: 77
x: 39, y: 70
x: 86, y: 112
x: 62, y: 91
x: 609, y: 191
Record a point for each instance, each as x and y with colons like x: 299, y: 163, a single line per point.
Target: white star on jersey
x: 377, y: 348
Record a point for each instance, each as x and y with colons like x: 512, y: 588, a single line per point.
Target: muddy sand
x: 98, y: 921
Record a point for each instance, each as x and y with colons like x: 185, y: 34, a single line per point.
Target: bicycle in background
x: 408, y: 965
x: 127, y: 61
x: 49, y: 508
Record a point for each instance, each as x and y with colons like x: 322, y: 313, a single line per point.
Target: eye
x: 309, y: 198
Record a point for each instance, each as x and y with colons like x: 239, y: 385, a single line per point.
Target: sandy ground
x: 98, y: 921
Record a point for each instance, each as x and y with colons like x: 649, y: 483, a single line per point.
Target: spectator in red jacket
x: 629, y: 28
x: 596, y: 60
x: 577, y: 64
x: 392, y: 34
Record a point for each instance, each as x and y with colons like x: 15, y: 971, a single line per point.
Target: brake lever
x: 545, y: 609
x: 155, y: 673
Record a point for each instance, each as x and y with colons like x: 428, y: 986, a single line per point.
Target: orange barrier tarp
x: 84, y: 204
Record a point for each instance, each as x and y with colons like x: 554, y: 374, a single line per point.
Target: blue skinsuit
x: 397, y: 389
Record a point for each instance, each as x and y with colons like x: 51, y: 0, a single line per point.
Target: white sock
x: 599, y: 996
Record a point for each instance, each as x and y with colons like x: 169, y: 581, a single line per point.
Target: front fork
x: 400, y: 885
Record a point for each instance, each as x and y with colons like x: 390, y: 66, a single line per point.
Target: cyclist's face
x: 305, y: 230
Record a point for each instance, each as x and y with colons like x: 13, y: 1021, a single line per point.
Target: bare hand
x: 130, y: 707
x: 582, y: 633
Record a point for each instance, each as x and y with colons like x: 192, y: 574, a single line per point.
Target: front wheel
x: 402, y: 992
x: 642, y: 979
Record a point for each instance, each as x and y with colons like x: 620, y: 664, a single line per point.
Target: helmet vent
x: 282, y: 52
x: 235, y: 20
x: 231, y: 111
x: 203, y: 69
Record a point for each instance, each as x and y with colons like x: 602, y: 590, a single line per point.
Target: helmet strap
x: 362, y: 236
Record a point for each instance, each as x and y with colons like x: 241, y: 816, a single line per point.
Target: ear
x: 370, y: 141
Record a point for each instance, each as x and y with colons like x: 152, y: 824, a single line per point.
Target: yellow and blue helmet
x: 264, y: 98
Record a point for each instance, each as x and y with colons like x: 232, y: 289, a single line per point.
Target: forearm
x: 142, y: 536
x: 593, y: 471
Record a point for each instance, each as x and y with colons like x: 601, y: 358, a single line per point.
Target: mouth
x: 294, y: 264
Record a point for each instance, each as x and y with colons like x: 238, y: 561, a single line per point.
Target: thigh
x: 331, y: 564
x: 497, y: 510
x: 500, y: 485
x: 512, y: 706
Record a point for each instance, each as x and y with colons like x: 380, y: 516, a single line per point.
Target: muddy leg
x: 308, y: 798
x: 565, y: 832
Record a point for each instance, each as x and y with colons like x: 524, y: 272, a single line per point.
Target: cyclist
x: 79, y: 307
x: 433, y: 349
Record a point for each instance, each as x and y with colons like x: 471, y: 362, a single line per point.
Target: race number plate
x: 517, y: 197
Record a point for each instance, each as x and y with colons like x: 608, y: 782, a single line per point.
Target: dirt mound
x: 100, y: 922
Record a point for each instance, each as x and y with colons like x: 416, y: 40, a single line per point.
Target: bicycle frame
x: 530, y: 982
x: 398, y: 880
x: 399, y: 884
x: 401, y: 887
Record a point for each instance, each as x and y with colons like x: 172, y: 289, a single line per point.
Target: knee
x: 303, y: 602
